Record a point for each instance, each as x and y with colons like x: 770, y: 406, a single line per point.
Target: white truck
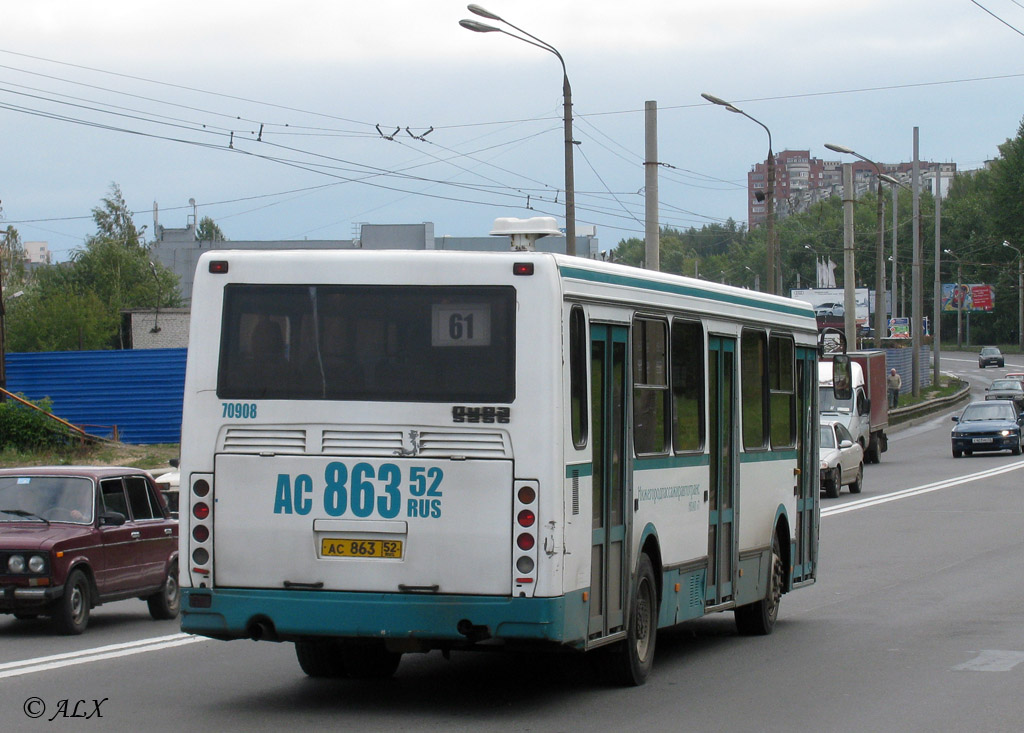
x: 866, y: 413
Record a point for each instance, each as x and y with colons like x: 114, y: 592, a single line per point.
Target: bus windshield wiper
x: 23, y: 513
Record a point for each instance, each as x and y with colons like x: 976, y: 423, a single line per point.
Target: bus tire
x: 370, y: 661
x: 630, y: 664
x: 758, y: 619
x: 321, y: 658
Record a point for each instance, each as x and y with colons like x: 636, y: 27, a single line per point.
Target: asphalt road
x: 916, y: 624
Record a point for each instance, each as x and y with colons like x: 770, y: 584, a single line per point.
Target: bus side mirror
x: 842, y: 387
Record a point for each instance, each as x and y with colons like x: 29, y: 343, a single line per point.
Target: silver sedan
x: 841, y: 459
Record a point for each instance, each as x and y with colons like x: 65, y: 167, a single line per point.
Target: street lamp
x: 570, y: 194
x: 757, y: 277
x: 1020, y: 293
x: 156, y: 316
x: 769, y: 196
x: 959, y: 296
x: 817, y: 265
x: 880, y: 258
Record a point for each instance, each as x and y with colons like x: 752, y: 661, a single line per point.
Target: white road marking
x: 992, y: 660
x: 112, y: 651
x: 918, y: 490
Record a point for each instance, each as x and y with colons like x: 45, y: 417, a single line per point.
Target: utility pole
x: 849, y: 298
x: 937, y: 284
x: 916, y: 306
x: 895, y: 254
x: 652, y: 232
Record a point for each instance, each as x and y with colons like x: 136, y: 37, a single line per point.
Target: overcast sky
x: 168, y: 100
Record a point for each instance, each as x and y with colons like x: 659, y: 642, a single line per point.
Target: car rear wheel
x: 71, y: 614
x: 858, y: 481
x: 165, y: 603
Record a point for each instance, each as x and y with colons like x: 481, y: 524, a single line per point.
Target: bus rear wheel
x: 631, y: 663
x: 370, y: 661
x: 758, y: 619
x: 321, y: 658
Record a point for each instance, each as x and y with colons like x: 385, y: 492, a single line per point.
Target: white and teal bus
x: 388, y: 452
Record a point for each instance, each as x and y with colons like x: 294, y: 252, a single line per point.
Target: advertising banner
x: 974, y: 297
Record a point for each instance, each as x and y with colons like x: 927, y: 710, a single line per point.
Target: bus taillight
x: 201, y: 510
x: 525, y: 509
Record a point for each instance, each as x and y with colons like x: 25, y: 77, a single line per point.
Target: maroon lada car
x: 72, y: 538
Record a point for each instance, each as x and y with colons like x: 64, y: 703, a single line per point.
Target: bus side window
x: 754, y: 372
x: 687, y: 385
x: 578, y: 363
x: 782, y: 392
x: 650, y: 386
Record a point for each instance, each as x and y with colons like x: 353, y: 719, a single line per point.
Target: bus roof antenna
x: 524, y: 232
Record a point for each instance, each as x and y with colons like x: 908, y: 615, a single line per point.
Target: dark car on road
x: 72, y: 538
x: 987, y: 426
x: 1006, y: 389
x: 990, y: 356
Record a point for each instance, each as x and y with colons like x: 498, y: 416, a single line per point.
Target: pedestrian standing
x: 894, y: 382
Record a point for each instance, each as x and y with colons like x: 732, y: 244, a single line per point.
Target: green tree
x: 12, y: 260
x: 114, y: 220
x: 54, y: 316
x: 78, y: 305
x: 208, y: 231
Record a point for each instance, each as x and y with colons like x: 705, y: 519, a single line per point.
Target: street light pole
x: 880, y: 255
x: 1020, y: 293
x: 769, y: 196
x: 958, y: 294
x: 570, y: 193
x: 817, y: 265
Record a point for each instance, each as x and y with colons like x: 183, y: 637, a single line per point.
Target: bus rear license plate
x: 345, y: 547
x: 983, y: 440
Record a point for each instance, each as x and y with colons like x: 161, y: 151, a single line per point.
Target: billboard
x: 975, y: 297
x: 829, y: 306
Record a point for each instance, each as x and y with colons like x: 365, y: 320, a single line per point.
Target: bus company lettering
x: 363, y: 491
x: 688, y: 493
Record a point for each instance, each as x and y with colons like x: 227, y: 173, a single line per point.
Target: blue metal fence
x: 138, y: 391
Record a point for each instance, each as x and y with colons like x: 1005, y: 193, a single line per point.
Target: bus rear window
x: 368, y: 342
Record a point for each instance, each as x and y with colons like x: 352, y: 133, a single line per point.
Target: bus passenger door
x: 722, y: 398
x: 608, y: 367
x: 805, y: 555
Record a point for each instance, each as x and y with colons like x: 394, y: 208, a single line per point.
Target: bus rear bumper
x: 287, y: 615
